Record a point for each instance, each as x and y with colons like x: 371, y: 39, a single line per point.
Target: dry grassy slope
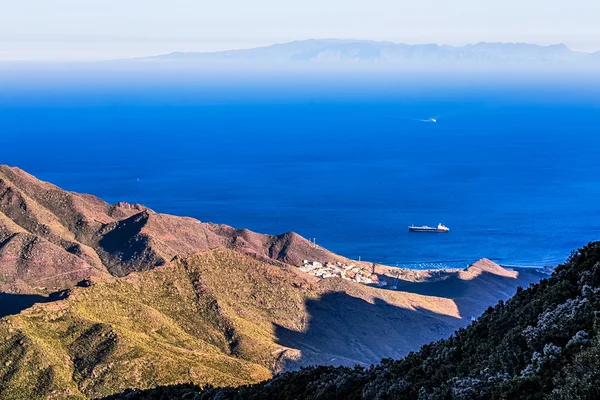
x: 218, y: 317
x: 81, y: 236
x: 150, y: 328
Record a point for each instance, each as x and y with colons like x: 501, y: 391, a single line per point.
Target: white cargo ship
x: 440, y: 228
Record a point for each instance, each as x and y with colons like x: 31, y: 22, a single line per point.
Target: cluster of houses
x: 350, y: 272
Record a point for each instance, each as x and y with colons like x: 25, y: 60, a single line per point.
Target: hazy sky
x: 104, y: 29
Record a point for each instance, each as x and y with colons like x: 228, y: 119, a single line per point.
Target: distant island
x: 328, y: 51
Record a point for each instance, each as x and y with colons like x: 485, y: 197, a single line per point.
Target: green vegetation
x: 544, y: 343
x: 206, y: 319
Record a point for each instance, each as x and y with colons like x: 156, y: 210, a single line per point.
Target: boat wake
x: 428, y: 120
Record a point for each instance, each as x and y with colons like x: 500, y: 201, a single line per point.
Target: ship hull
x: 430, y: 230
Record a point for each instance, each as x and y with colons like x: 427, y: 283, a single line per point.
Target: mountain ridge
x: 87, y: 236
x: 348, y: 50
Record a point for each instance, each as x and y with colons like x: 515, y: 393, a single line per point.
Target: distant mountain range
x: 325, y: 51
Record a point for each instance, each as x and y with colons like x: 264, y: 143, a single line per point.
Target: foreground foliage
x: 541, y: 344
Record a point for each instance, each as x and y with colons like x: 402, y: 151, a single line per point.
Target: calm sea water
x: 512, y: 169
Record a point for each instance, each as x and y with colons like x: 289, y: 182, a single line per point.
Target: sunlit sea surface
x: 512, y: 169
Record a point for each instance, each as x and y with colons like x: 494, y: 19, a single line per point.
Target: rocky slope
x: 51, y: 239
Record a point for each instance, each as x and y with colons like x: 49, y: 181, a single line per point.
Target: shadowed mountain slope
x: 474, y: 288
x: 541, y: 344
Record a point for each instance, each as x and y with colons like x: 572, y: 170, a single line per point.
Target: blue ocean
x: 512, y: 168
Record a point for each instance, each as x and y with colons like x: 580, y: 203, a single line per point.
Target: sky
x: 109, y: 29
